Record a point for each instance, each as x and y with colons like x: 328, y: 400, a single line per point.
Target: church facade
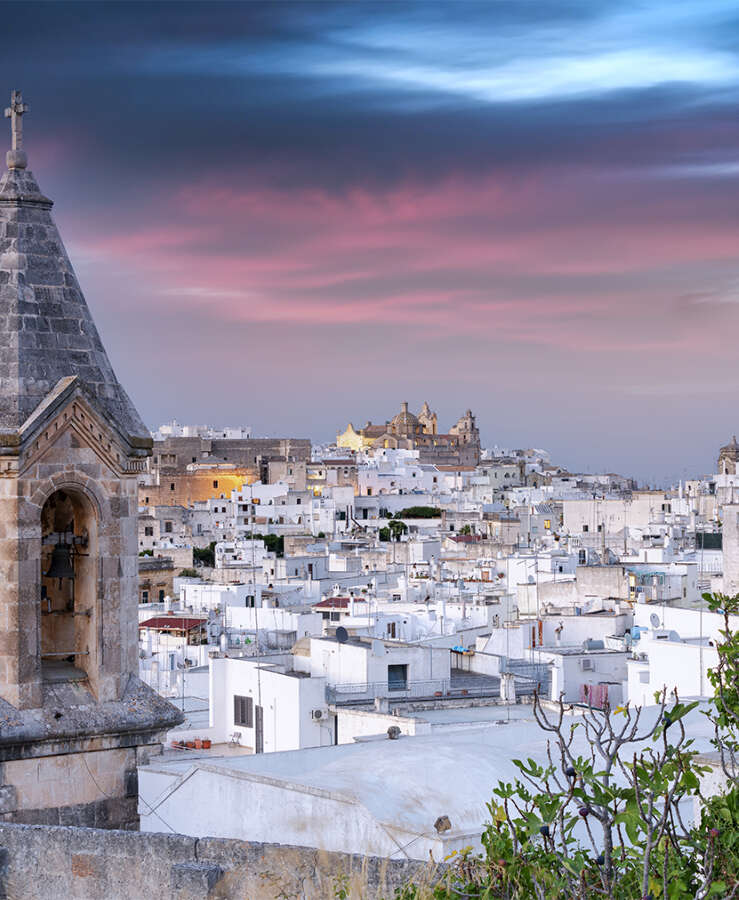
x: 75, y: 720
x: 406, y: 431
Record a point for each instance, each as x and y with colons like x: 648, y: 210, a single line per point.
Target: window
x: 144, y: 596
x: 168, y: 527
x: 171, y: 486
x: 215, y: 484
x: 397, y: 678
x: 194, y: 459
x: 146, y: 501
x: 547, y: 523
x: 149, y: 531
x: 161, y: 596
x: 298, y: 501
x: 585, y: 528
x: 335, y: 617
x: 243, y: 711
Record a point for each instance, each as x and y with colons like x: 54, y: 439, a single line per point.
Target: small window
x: 149, y: 531
x: 171, y: 487
x: 397, y: 678
x: 161, y: 596
x: 585, y: 528
x: 146, y: 501
x: 215, y: 484
x: 194, y: 459
x: 144, y: 596
x: 335, y: 617
x: 243, y: 711
x: 168, y: 527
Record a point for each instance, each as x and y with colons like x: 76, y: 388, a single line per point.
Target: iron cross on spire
x: 15, y: 113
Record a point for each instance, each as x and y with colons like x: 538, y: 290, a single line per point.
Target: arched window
x: 68, y: 586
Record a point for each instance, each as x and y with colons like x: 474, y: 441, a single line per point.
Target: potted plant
x: 198, y: 743
x: 206, y: 743
x: 190, y: 745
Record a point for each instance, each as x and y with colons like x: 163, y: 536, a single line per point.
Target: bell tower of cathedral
x: 75, y: 720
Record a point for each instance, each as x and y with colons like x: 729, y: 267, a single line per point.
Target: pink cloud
x: 454, y: 257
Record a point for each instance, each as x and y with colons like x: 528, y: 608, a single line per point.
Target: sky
x: 296, y: 215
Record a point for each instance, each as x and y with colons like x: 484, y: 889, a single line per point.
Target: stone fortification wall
x: 45, y: 863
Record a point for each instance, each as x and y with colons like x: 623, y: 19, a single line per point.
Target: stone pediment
x: 67, y: 409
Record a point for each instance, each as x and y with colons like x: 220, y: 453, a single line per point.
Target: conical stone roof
x: 46, y: 330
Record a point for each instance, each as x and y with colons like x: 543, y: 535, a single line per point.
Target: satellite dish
x: 654, y: 619
x: 342, y: 635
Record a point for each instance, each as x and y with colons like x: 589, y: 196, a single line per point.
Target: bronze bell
x: 61, y: 562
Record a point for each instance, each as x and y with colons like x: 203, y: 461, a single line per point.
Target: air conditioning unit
x: 317, y: 714
x: 587, y: 665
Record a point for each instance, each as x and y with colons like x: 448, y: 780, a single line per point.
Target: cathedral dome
x: 404, y: 419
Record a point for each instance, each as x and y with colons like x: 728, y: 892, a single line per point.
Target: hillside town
x: 312, y: 601
x: 421, y: 654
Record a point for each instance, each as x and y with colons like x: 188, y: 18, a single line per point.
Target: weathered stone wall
x: 45, y: 863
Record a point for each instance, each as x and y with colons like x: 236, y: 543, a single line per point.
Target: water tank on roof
x: 592, y: 644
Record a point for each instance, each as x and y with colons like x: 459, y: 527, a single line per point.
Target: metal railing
x: 443, y: 687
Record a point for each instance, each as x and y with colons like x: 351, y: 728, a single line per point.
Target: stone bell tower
x: 75, y: 720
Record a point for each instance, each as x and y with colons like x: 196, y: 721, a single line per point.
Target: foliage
x: 321, y: 534
x: 146, y: 553
x: 725, y: 680
x: 419, y: 512
x: 610, y: 823
x: 465, y: 529
x: 393, y: 531
x: 188, y: 573
x: 205, y: 556
x: 275, y: 543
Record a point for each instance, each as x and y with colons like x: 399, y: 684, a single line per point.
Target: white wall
x: 286, y: 699
x: 361, y: 722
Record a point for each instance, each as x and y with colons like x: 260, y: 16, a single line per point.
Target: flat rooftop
x: 410, y: 781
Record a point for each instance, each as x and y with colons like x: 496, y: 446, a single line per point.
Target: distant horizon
x: 657, y: 482
x: 301, y: 214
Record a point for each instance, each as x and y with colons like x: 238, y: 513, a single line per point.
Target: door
x: 259, y: 729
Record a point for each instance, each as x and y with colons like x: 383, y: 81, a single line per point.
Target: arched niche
x: 68, y: 587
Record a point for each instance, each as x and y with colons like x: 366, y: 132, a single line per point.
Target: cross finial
x: 16, y: 157
x: 15, y: 113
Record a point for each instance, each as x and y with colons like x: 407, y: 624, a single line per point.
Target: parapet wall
x: 42, y: 862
